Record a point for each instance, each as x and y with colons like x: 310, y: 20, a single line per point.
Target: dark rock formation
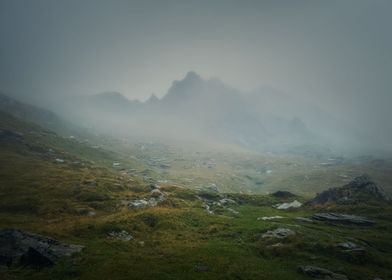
x: 321, y: 273
x: 342, y: 219
x: 361, y: 189
x: 18, y: 247
x: 283, y: 194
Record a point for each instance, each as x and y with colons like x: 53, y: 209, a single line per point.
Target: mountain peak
x: 152, y: 99
x: 192, y: 76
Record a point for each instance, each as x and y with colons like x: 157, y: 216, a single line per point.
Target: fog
x: 269, y: 75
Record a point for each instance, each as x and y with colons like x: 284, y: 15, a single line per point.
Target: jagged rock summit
x: 361, y: 189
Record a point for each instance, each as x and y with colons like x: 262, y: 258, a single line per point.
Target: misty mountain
x: 208, y: 110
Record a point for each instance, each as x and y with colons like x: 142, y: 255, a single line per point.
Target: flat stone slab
x: 343, y: 219
x: 321, y: 273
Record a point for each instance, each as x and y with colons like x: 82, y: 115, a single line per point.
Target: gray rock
x: 156, y: 193
x: 19, y: 247
x: 232, y: 211
x: 304, y: 219
x: 342, y: 219
x: 279, y: 233
x: 288, y: 205
x: 226, y: 201
x: 347, y: 245
x: 321, y: 273
x: 139, y: 203
x: 121, y: 235
x: 212, y: 188
x: 267, y: 218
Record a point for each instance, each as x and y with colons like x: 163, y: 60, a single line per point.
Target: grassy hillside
x: 80, y: 200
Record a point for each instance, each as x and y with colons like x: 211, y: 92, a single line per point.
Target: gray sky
x: 336, y: 53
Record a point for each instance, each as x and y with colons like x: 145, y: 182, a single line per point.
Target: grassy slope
x: 40, y: 195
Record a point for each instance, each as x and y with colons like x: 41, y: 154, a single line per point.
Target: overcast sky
x: 334, y: 53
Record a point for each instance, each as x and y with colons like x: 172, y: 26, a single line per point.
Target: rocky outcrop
x: 361, y: 189
x: 18, y: 247
x: 283, y: 194
x: 342, y: 219
x: 321, y: 273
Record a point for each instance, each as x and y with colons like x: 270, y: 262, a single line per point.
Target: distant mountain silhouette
x: 263, y: 120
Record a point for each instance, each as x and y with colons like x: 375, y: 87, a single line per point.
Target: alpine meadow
x: 195, y: 139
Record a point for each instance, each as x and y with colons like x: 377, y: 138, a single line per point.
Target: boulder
x: 18, y: 247
x: 361, y: 189
x: 342, y: 219
x: 212, y: 188
x: 321, y: 273
x: 156, y: 193
x: 288, y: 205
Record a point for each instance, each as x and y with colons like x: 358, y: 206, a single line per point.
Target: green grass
x: 172, y: 240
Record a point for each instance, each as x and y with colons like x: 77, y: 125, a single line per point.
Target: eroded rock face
x: 342, y: 219
x: 19, y: 247
x: 361, y: 189
x: 321, y: 273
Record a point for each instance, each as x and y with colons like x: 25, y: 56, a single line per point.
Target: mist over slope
x: 207, y: 110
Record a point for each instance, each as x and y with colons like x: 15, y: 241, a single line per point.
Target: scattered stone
x: 232, y: 211
x: 156, y: 193
x: 18, y: 247
x: 288, y: 205
x: 303, y: 219
x: 201, y: 268
x: 155, y: 186
x: 226, y: 201
x: 361, y: 189
x: 347, y: 245
x: 269, y: 218
x: 321, y: 273
x: 212, y: 188
x: 276, y: 245
x: 279, y: 233
x: 121, y: 235
x: 90, y: 183
x: 91, y: 214
x: 139, y: 203
x: 144, y: 203
x: 343, y: 219
x: 283, y: 194
x: 208, y: 208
